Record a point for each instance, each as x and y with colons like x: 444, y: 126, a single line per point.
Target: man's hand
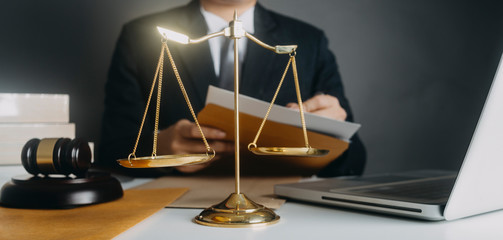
x: 324, y: 105
x: 184, y: 137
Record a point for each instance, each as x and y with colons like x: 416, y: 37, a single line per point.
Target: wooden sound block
x: 28, y: 191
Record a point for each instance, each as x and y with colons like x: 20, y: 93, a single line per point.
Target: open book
x: 282, y: 129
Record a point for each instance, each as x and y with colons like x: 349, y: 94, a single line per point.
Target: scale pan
x: 165, y: 161
x: 289, y: 151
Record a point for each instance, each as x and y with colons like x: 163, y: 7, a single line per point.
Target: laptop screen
x: 478, y: 187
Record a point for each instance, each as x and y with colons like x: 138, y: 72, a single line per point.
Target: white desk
x: 307, y: 222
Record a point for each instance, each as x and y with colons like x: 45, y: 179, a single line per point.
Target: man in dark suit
x: 135, y: 59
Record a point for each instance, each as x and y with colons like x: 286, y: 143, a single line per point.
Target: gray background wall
x: 416, y: 72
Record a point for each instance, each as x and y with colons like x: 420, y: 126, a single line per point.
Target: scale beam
x: 234, y: 31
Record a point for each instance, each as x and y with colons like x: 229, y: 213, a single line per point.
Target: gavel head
x: 56, y: 156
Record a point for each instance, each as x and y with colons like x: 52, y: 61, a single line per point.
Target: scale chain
x: 299, y: 100
x: 271, y: 104
x: 158, y: 79
x: 159, y: 67
x: 184, y: 92
x: 157, y: 108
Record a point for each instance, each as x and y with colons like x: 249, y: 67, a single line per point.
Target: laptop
x: 427, y: 194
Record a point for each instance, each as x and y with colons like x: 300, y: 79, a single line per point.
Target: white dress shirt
x: 216, y: 24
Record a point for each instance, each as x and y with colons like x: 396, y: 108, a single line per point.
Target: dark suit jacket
x: 134, y: 63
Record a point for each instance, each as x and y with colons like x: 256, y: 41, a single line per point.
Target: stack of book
x: 27, y: 116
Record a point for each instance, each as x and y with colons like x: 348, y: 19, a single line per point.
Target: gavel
x: 56, y: 156
x: 43, y: 158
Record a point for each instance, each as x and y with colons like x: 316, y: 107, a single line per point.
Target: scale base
x: 237, y: 211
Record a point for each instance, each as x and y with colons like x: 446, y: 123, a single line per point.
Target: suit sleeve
x: 327, y: 80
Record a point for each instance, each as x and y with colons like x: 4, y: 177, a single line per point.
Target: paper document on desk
x: 205, y: 191
x: 258, y: 108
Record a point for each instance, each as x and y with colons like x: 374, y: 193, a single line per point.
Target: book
x: 282, y: 129
x: 34, y: 108
x: 13, y: 137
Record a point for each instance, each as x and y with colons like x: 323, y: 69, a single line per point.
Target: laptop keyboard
x: 427, y: 191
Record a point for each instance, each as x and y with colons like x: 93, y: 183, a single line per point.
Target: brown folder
x: 100, y: 221
x: 274, y: 134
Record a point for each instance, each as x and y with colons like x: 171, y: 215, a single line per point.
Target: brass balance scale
x: 237, y: 210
